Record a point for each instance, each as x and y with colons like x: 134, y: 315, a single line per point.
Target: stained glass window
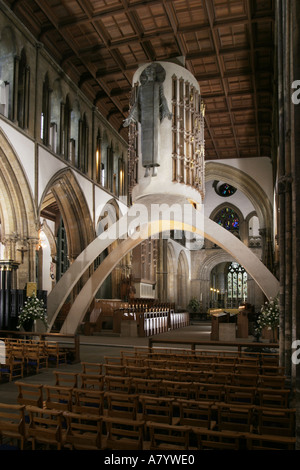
x: 228, y: 219
x: 236, y: 284
x: 224, y: 189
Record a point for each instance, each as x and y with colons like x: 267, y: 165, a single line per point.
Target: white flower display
x: 269, y: 315
x: 33, y: 309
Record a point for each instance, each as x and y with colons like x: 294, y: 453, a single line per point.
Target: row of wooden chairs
x: 231, y: 364
x: 101, y: 377
x: 263, y: 393
x: 262, y: 357
x: 67, y: 429
x: 171, y: 368
x: 58, y: 396
x: 29, y: 356
x: 183, y: 375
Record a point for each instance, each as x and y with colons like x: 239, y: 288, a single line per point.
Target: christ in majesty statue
x: 149, y: 109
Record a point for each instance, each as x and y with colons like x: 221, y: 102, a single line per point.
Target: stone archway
x: 131, y: 232
x: 256, y: 195
x: 252, y: 190
x: 19, y: 224
x: 74, y: 210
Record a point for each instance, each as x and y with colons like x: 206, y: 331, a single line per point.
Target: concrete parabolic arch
x: 131, y: 230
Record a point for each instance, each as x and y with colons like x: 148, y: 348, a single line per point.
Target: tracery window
x: 228, y: 219
x: 236, y: 284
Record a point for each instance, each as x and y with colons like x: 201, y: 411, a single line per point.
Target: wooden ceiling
x: 228, y: 46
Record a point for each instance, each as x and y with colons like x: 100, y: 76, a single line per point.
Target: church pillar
x: 162, y: 270
x: 288, y: 23
x: 15, y: 89
x: 295, y: 171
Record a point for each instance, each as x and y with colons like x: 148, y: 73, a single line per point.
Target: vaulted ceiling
x: 228, y: 45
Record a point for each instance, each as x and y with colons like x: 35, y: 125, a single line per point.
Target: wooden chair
x: 175, y: 389
x: 117, y: 384
x: 244, y: 368
x: 84, y: 431
x: 232, y: 417
x: 146, y: 387
x: 115, y: 369
x: 272, y: 370
x: 45, y: 427
x: 276, y: 421
x: 87, y: 401
x: 268, y: 442
x: 132, y: 361
x: 199, y: 366
x: 36, y: 358
x: 162, y: 374
x: 94, y: 368
x: 273, y: 398
x: 240, y: 395
x: 12, y: 368
x: 157, y: 363
x: 209, y: 391
x: 225, y: 367
x: 55, y: 354
x: 270, y: 359
x: 92, y: 381
x: 121, y: 405
x: 244, y: 380
x: 158, y: 409
x: 12, y: 423
x: 124, y: 434
x: 196, y: 413
x: 254, y: 361
x: 220, y: 377
x: 30, y: 394
x: 167, y: 437
x: 66, y: 379
x: 192, y: 375
x: 217, y: 440
x: 271, y: 381
x: 58, y: 397
x: 18, y: 352
x: 138, y: 371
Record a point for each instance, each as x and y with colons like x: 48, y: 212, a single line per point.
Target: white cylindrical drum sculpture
x: 166, y: 133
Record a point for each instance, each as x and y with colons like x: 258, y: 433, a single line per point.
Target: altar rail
x: 154, y: 323
x: 231, y: 344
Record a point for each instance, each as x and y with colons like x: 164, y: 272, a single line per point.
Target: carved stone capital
x: 285, y: 184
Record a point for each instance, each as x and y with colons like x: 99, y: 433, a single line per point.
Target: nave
x: 165, y: 398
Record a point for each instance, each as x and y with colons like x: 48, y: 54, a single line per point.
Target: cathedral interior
x: 87, y: 135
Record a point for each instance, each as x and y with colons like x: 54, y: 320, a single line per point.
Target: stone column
x: 15, y: 89
x: 295, y: 171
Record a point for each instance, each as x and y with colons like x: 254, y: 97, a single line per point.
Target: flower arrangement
x: 269, y: 316
x: 33, y: 309
x: 194, y: 305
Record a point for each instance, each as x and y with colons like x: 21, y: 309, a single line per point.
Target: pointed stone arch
x: 245, y: 183
x: 74, y: 210
x: 19, y: 223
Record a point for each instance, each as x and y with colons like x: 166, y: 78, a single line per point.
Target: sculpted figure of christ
x: 149, y: 109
